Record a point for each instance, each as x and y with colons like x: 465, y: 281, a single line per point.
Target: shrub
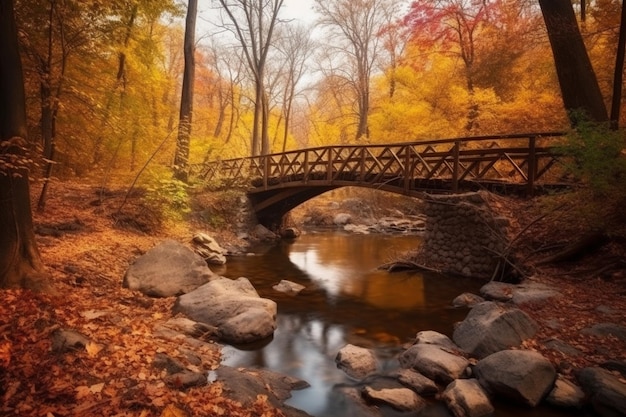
x: 597, y: 155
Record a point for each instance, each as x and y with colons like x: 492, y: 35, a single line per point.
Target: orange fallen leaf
x: 93, y: 349
x: 173, y: 411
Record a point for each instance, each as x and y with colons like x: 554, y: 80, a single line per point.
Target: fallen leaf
x: 96, y: 388
x: 173, y: 411
x: 93, y: 349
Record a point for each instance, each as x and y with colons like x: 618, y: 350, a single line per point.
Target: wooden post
x: 455, y: 170
x: 305, y: 176
x: 407, y: 169
x: 329, y: 167
x: 266, y: 170
x: 532, y: 166
x: 362, y: 165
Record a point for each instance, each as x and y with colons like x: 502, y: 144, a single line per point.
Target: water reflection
x: 347, y: 300
x: 351, y: 269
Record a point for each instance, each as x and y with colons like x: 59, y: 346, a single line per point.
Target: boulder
x: 288, y: 287
x: 520, y: 375
x: 209, y: 249
x: 490, y: 327
x: 290, y: 233
x: 167, y: 270
x: 606, y: 329
x: 533, y: 292
x: 430, y: 337
x: 467, y: 299
x: 263, y: 233
x: 245, y: 385
x: 233, y: 306
x: 605, y: 390
x: 435, y: 362
x: 565, y: 394
x: 356, y: 361
x: 417, y: 382
x: 342, y: 219
x: 560, y: 346
x: 466, y: 398
x: 498, y: 291
x: 402, y: 399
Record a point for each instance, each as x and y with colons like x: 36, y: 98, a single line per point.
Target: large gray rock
x: 356, y: 361
x: 565, y: 394
x: 490, y: 327
x: 498, y: 291
x: 520, y: 375
x: 466, y: 398
x: 167, y: 270
x: 417, y: 382
x: 245, y: 385
x: 606, y: 329
x: 430, y: 337
x: 435, y: 362
x: 402, y: 399
x: 606, y: 391
x: 233, y: 306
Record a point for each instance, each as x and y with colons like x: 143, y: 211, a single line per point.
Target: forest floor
x: 87, y: 246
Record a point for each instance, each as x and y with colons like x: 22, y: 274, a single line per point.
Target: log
x: 589, y: 243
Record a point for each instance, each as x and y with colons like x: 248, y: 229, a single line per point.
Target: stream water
x: 346, y: 300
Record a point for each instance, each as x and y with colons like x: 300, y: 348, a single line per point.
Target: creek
x: 346, y: 300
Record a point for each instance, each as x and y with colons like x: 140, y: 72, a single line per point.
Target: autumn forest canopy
x: 103, y: 78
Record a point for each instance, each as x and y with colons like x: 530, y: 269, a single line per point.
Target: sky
x: 301, y: 10
x: 298, y: 9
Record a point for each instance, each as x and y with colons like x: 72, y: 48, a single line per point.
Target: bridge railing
x: 520, y: 158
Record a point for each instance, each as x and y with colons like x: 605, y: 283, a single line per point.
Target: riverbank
x: 87, y: 247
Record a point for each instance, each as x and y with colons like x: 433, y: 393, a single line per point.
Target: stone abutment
x: 464, y: 235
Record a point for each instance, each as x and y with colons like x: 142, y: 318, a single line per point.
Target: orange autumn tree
x: 472, y: 67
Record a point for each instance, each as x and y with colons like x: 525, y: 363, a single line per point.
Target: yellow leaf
x: 93, y: 349
x: 173, y: 411
x: 96, y: 388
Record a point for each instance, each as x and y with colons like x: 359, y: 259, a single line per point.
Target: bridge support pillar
x: 464, y: 235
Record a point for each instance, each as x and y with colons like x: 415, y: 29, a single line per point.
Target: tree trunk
x: 616, y: 101
x: 579, y: 85
x: 265, y: 114
x: 181, y: 160
x: 20, y: 262
x: 255, y: 145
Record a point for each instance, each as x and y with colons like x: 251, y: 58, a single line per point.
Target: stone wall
x: 463, y: 234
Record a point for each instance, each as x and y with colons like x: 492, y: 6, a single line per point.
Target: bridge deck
x: 520, y: 160
x: 277, y: 183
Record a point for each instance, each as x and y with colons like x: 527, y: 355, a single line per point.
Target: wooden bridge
x: 277, y: 183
